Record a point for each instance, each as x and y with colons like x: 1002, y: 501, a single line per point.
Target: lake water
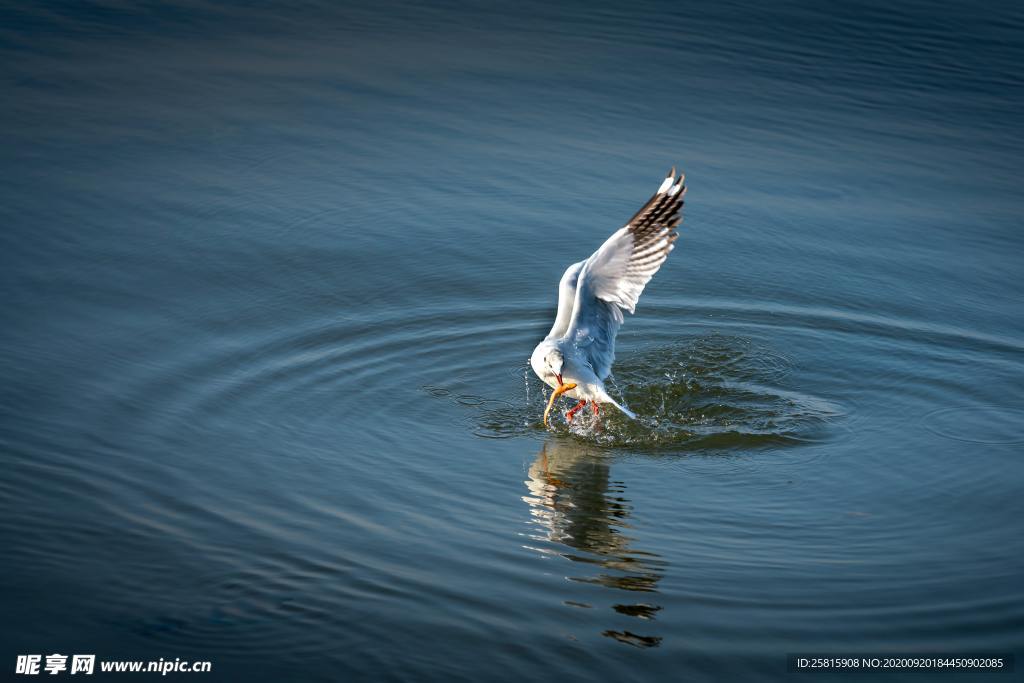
x: 271, y: 279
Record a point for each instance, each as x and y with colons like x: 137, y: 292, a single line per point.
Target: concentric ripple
x: 990, y: 425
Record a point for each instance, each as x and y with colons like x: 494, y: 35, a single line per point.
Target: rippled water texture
x: 271, y: 278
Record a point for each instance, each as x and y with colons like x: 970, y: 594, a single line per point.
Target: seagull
x: 577, y: 355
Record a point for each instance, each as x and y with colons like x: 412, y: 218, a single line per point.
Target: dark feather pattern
x: 657, y: 221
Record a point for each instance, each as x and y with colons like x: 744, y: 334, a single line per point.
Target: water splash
x: 714, y: 392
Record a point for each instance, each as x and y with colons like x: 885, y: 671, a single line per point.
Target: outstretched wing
x: 613, y: 278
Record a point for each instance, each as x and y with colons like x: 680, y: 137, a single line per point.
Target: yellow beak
x: 562, y: 388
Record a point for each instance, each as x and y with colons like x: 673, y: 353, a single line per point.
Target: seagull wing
x: 566, y: 300
x: 613, y: 278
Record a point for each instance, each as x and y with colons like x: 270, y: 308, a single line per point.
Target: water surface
x: 271, y: 279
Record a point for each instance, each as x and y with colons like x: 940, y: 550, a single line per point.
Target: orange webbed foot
x: 575, y: 409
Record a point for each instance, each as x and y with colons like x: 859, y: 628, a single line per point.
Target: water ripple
x: 992, y: 425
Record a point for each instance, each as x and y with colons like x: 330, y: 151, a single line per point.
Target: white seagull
x: 577, y: 355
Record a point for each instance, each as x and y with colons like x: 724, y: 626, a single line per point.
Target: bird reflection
x: 575, y: 504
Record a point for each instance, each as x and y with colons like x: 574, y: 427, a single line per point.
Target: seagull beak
x: 562, y: 388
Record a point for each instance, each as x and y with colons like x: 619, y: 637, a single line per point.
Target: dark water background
x: 270, y: 278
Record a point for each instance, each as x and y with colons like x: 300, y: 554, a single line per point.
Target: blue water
x: 271, y: 277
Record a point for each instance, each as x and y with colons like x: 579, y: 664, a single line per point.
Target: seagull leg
x: 575, y: 409
x: 593, y: 404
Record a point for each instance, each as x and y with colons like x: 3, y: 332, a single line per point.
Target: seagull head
x: 553, y: 363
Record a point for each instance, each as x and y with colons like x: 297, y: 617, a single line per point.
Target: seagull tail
x: 629, y: 413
